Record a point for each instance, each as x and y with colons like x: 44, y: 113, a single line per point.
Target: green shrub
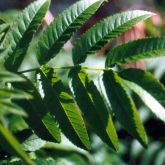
x: 44, y: 106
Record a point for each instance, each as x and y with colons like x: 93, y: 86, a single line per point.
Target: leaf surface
x: 123, y: 106
x: 149, y: 89
x: 62, y: 105
x: 21, y: 33
x: 97, y: 36
x: 136, y: 50
x: 93, y: 107
x: 38, y: 119
x: 62, y: 28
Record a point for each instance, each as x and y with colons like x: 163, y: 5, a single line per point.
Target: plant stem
x: 66, y: 67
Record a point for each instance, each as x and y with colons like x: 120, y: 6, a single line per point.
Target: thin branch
x: 65, y: 67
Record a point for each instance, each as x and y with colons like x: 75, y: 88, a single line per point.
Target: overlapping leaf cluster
x: 80, y: 107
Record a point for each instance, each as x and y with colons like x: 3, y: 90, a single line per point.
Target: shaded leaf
x: 11, y: 145
x: 6, y: 93
x: 136, y: 50
x: 149, y: 89
x: 123, y: 106
x: 62, y: 105
x: 7, y: 107
x: 39, y: 119
x: 97, y: 36
x: 21, y: 33
x: 93, y: 107
x: 62, y: 28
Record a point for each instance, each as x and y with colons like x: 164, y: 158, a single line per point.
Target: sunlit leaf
x: 62, y: 28
x: 136, y: 50
x: 109, y: 28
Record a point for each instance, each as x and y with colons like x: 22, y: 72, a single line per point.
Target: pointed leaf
x: 108, y: 29
x: 9, y: 143
x: 123, y: 106
x: 149, y: 89
x: 93, y: 107
x: 62, y: 105
x: 22, y: 32
x: 136, y: 50
x: 62, y: 28
x: 39, y: 119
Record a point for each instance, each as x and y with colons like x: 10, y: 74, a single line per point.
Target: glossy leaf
x: 12, y: 145
x: 106, y: 30
x: 136, y: 50
x: 149, y: 89
x: 123, y: 106
x: 93, y: 107
x: 62, y: 105
x: 62, y: 28
x: 21, y: 33
x: 39, y: 119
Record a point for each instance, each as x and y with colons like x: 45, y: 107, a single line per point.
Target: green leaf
x: 123, y: 106
x: 7, y: 107
x: 62, y: 105
x: 97, y: 36
x: 13, y: 94
x: 38, y: 117
x: 62, y: 28
x: 37, y: 162
x: 9, y: 143
x: 136, y: 50
x: 149, y: 89
x: 3, y: 30
x: 6, y: 76
x: 93, y: 107
x: 21, y: 33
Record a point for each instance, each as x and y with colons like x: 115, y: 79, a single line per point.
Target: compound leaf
x: 62, y: 28
x: 62, y: 105
x: 106, y: 30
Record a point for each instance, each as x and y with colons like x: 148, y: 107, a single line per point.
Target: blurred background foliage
x: 131, y: 153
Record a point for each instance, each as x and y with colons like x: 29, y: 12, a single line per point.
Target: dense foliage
x: 44, y: 106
